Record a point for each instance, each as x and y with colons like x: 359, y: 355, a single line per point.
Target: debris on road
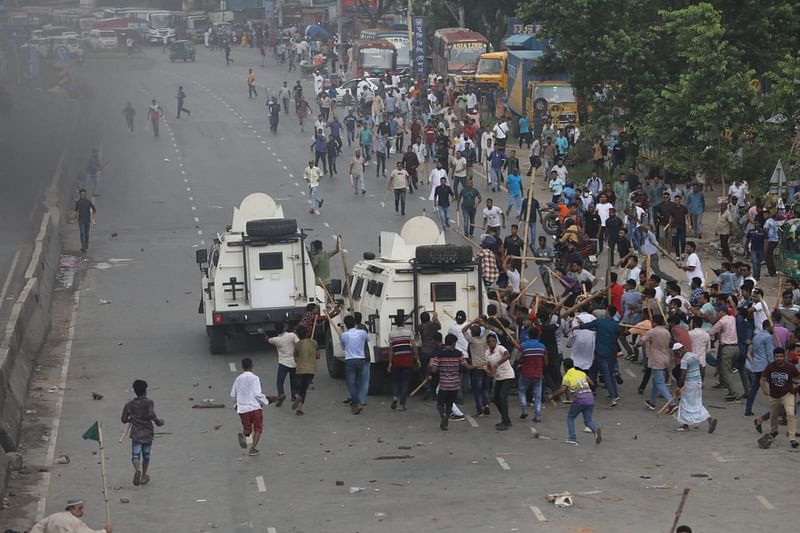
x: 208, y: 406
x: 354, y: 490
x: 390, y: 457
x: 380, y: 516
x: 96, y: 396
x: 62, y: 460
x: 339, y: 483
x: 124, y: 500
x: 103, y: 301
x: 560, y: 499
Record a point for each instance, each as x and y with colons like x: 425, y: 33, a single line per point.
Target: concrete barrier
x: 29, y: 322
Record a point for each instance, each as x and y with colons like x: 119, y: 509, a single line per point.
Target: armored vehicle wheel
x: 443, y: 254
x: 279, y: 227
x: 335, y: 366
x: 217, y: 343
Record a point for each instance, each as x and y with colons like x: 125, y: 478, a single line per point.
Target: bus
x: 153, y: 24
x: 372, y: 57
x: 398, y: 38
x: 456, y: 52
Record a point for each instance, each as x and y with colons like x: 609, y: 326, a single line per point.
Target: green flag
x: 93, y: 433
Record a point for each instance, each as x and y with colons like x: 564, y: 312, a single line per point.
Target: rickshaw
x: 181, y: 50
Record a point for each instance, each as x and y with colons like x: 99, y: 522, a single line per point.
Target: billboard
x: 420, y: 48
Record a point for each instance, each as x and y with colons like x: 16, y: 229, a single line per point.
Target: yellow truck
x: 553, y: 99
x: 492, y: 71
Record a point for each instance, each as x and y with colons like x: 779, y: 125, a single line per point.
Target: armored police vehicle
x: 256, y: 275
x: 412, y: 272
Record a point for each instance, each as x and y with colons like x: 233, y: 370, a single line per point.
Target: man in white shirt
x: 248, y: 400
x: 581, y: 341
x: 759, y: 310
x: 500, y: 133
x: 435, y: 178
x: 284, y: 343
x: 486, y: 143
x: 561, y: 170
x: 493, y: 217
x: 693, y: 267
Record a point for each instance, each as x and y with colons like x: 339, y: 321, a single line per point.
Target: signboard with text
x: 420, y: 48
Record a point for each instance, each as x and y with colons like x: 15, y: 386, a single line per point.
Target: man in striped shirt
x: 532, y: 364
x: 447, y: 361
x: 402, y: 360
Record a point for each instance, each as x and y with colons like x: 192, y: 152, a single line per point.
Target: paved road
x: 170, y: 194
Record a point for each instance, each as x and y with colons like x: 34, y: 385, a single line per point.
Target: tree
x: 375, y: 15
x: 699, y: 116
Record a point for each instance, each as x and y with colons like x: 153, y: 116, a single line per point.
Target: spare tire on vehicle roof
x: 271, y: 227
x: 443, y: 254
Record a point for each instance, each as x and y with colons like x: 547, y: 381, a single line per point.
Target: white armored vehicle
x: 412, y: 272
x: 256, y: 275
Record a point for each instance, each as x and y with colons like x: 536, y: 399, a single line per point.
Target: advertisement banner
x: 420, y: 48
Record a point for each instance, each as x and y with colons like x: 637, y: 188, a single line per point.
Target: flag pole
x: 103, y: 472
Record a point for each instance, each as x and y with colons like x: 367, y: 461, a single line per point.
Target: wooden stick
x: 664, y: 407
x: 331, y: 322
x: 346, y: 276
x: 780, y: 291
x: 433, y: 296
x: 479, y: 227
x: 592, y: 297
x: 124, y: 433
x: 675, y: 261
x: 103, y: 472
x: 679, y: 511
x: 424, y: 382
x: 536, y: 305
x: 661, y: 308
x: 622, y: 261
x: 532, y: 258
x: 473, y: 243
x: 522, y: 293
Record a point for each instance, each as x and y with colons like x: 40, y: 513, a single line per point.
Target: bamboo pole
x: 527, y: 223
x: 331, y: 322
x: 592, y: 297
x: 684, y: 496
x: 524, y: 291
x: 675, y: 261
x: 103, y: 472
x: 346, y: 276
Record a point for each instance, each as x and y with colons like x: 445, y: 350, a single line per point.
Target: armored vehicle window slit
x: 445, y: 292
x: 378, y: 288
x: 357, y: 288
x: 270, y: 261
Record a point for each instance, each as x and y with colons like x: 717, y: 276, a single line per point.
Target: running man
x: 251, y: 84
x: 181, y: 98
x: 248, y: 400
x: 140, y: 414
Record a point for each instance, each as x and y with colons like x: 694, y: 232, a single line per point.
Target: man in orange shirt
x: 251, y: 83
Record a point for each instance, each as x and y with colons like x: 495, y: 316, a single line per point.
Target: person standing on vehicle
x: 306, y: 353
x: 141, y: 415
x: 311, y: 175
x: 399, y: 182
x: 356, y: 365
x: 181, y: 97
x: 85, y: 212
x: 403, y: 358
x: 321, y: 260
x: 129, y: 112
x: 284, y: 342
x: 251, y: 84
x: 248, y: 401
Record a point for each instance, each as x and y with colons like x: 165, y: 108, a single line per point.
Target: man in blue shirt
x: 761, y: 354
x: 562, y: 145
x: 356, y: 365
x: 696, y: 204
x: 728, y: 282
x: 606, y: 346
x: 524, y: 131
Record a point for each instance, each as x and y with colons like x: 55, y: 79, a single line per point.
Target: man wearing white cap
x: 690, y: 387
x: 67, y: 521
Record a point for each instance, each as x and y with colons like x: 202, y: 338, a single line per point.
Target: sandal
x: 681, y: 429
x: 758, y: 425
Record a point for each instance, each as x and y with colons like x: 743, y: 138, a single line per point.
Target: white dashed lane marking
x: 627, y: 370
x: 472, y: 421
x: 262, y: 487
x: 232, y: 366
x: 503, y: 464
x: 537, y: 513
x: 765, y: 502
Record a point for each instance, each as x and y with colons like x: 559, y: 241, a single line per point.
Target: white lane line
x: 7, y: 282
x: 263, y: 142
x: 188, y: 189
x: 199, y: 232
x: 472, y: 421
x: 537, y: 513
x: 296, y: 184
x: 503, y: 464
x: 232, y: 366
x: 718, y: 457
x: 272, y: 530
x: 202, y: 242
x: 326, y: 224
x: 628, y: 370
x: 423, y: 199
x: 194, y: 208
x: 279, y: 161
x: 191, y: 198
x: 262, y: 487
x: 284, y: 166
x: 765, y: 502
x: 185, y: 180
x: 62, y: 385
x: 198, y: 220
x: 291, y: 175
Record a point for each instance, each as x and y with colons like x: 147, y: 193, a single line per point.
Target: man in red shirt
x: 430, y: 140
x: 447, y: 361
x: 616, y: 291
x: 780, y: 381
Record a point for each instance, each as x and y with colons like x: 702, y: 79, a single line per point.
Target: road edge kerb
x: 29, y: 322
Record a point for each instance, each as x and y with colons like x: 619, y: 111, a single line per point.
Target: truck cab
x: 556, y: 100
x: 413, y: 271
x: 492, y: 71
x: 256, y: 275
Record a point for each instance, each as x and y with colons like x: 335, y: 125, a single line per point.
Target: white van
x: 103, y: 39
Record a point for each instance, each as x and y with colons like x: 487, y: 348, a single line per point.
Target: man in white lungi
x: 691, y: 411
